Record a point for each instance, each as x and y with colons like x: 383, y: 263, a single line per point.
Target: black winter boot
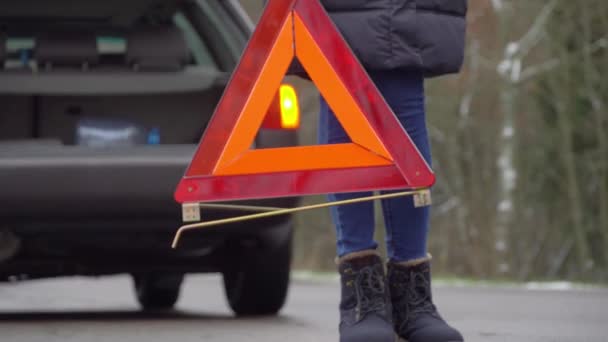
x: 365, y: 309
x: 415, y: 317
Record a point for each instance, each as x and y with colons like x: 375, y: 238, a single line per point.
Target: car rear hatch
x: 101, y: 106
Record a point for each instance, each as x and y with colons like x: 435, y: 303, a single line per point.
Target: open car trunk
x: 97, y: 155
x: 102, y: 104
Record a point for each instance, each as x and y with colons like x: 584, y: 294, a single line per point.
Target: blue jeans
x: 406, y: 226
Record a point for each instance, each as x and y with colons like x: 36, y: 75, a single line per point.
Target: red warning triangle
x: 381, y: 156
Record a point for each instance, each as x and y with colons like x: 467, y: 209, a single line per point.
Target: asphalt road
x: 82, y: 310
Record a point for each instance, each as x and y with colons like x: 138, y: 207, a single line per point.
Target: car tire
x: 259, y: 283
x: 157, y: 292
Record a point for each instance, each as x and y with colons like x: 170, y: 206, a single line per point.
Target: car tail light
x: 284, y: 113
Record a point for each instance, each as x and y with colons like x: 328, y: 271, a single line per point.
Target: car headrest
x: 157, y: 48
x: 66, y: 49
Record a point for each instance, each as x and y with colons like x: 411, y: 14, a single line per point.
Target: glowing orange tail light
x: 290, y: 109
x: 284, y: 113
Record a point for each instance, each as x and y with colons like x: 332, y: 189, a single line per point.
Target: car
x: 102, y: 105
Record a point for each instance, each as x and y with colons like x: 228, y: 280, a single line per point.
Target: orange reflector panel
x: 290, y: 110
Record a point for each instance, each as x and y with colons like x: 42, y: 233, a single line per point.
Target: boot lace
x: 370, y: 291
x: 419, y: 295
x: 414, y: 297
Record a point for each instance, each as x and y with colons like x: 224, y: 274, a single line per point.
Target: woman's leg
x: 365, y: 312
x: 414, y: 315
x: 354, y: 223
x: 406, y: 226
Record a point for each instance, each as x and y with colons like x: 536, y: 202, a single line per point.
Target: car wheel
x: 157, y: 292
x: 258, y: 284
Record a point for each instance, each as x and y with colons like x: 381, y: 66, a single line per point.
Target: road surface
x: 96, y: 310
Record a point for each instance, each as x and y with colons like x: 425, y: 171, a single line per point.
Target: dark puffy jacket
x: 403, y: 34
